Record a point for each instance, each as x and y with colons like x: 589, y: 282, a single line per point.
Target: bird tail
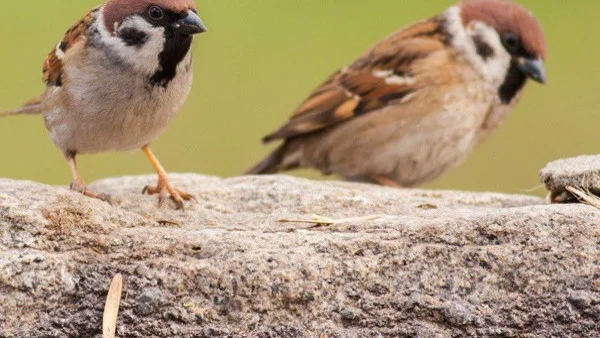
x: 280, y: 159
x: 33, y: 107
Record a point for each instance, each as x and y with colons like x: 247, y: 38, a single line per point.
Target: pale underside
x: 453, y: 108
x: 410, y: 149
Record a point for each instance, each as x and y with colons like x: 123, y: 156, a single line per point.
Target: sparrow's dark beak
x: 191, y: 24
x: 534, y: 69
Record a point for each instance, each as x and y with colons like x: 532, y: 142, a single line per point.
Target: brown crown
x: 506, y: 16
x: 116, y: 11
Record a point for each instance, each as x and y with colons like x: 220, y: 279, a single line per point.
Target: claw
x: 165, y: 189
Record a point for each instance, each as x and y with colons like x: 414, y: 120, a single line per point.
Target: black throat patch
x: 513, y: 83
x: 175, y: 49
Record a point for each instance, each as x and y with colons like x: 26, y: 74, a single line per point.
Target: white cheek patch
x: 498, y: 63
x: 494, y: 68
x: 144, y: 59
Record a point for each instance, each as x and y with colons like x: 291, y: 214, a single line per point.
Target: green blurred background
x: 261, y: 58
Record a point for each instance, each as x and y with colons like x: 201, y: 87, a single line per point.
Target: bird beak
x: 534, y: 69
x: 191, y: 24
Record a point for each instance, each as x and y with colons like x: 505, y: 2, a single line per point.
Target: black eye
x: 155, y: 13
x: 511, y: 42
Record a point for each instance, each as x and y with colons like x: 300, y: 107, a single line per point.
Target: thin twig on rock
x: 326, y: 221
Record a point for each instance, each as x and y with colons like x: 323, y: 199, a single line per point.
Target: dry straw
x: 111, y: 308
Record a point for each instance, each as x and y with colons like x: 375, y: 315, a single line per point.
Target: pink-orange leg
x: 78, y: 184
x: 164, y: 187
x: 385, y: 181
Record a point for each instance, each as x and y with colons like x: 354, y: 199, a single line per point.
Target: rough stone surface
x: 434, y: 264
x: 580, y: 172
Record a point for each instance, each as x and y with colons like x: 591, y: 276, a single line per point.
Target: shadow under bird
x: 116, y: 80
x: 417, y: 104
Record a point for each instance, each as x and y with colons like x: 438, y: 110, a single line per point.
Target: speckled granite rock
x: 434, y: 264
x: 580, y: 172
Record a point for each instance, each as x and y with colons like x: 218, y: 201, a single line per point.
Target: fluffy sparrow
x: 116, y: 80
x: 416, y: 105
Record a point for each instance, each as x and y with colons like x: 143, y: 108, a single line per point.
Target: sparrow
x: 415, y: 105
x: 116, y: 80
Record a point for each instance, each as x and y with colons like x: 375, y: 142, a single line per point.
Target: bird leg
x: 164, y: 186
x: 78, y: 184
x: 385, y: 181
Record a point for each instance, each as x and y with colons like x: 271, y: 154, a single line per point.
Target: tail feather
x: 33, y: 107
x: 277, y: 161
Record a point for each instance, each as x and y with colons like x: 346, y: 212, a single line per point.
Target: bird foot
x: 81, y: 188
x: 165, y: 190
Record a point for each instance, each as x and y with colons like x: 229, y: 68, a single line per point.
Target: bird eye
x: 155, y: 13
x: 511, y: 42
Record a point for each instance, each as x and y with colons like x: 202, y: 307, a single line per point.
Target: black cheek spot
x: 63, y: 46
x: 483, y: 49
x: 513, y: 83
x: 133, y: 37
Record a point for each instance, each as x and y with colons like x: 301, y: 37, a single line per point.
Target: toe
x: 82, y: 189
x: 106, y: 198
x: 186, y: 197
x: 166, y: 191
x: 177, y: 198
x: 150, y: 190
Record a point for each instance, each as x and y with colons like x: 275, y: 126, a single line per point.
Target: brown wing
x: 53, y: 66
x: 383, y: 76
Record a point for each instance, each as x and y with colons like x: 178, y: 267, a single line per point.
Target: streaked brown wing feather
x: 53, y: 66
x: 362, y: 87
